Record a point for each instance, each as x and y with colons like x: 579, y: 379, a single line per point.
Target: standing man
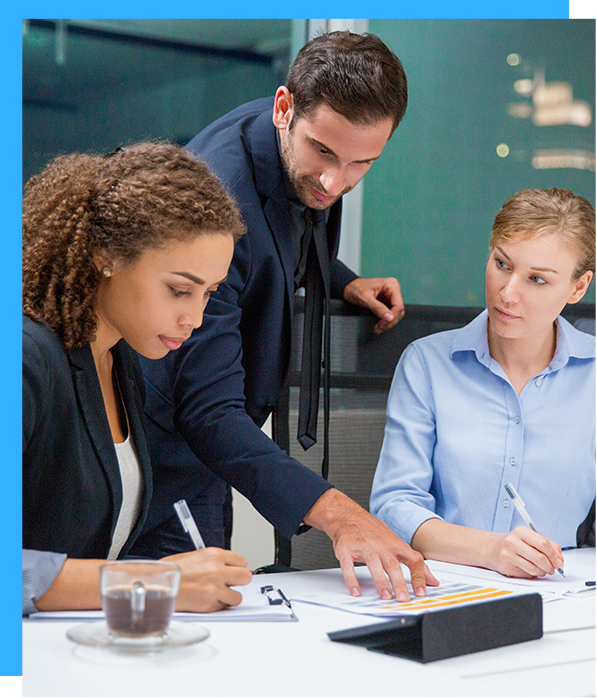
x: 288, y: 161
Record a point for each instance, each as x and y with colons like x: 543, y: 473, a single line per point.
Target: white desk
x: 298, y: 659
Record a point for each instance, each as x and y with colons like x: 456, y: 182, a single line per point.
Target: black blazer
x: 72, y: 491
x: 207, y: 400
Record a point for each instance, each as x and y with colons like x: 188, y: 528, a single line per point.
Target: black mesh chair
x: 362, y: 367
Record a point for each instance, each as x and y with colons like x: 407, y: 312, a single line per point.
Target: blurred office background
x: 494, y: 106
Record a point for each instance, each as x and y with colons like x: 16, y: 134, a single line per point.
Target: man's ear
x: 581, y: 287
x: 283, y: 108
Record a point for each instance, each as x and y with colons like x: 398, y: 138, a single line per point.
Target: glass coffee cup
x: 138, y: 597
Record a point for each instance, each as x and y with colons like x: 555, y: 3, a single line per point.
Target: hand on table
x: 207, y: 576
x: 360, y: 537
x: 524, y: 553
x: 381, y: 296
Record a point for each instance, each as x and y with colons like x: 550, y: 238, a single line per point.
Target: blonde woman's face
x: 528, y: 283
x: 155, y: 303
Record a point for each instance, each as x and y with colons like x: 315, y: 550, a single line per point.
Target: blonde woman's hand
x: 524, y: 553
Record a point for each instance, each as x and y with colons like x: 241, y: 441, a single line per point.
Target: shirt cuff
x: 406, y: 519
x: 40, y: 569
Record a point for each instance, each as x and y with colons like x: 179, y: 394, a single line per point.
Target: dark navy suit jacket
x: 207, y: 401
x: 72, y: 490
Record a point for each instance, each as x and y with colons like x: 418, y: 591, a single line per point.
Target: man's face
x: 326, y: 155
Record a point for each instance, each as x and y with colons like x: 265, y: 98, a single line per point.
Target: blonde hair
x: 532, y: 213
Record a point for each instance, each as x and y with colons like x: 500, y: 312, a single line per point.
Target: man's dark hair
x: 356, y: 75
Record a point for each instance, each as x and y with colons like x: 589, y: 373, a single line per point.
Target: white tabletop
x: 298, y: 659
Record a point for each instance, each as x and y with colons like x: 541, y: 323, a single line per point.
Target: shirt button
x: 512, y: 461
x: 506, y: 503
x: 517, y: 420
x: 538, y: 381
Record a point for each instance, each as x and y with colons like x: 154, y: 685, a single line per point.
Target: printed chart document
x: 458, y: 587
x: 448, y: 594
x: 255, y: 606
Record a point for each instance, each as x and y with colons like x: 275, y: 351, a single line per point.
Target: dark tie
x: 317, y: 305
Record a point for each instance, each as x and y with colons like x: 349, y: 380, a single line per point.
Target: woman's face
x: 156, y: 302
x: 527, y: 284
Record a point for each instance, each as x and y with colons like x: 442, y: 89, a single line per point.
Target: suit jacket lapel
x: 93, y: 412
x: 269, y: 182
x: 276, y: 214
x: 134, y: 410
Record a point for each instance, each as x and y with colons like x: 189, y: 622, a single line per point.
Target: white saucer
x: 97, y: 635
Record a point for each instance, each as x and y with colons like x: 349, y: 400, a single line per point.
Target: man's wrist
x: 329, y: 511
x: 347, y: 294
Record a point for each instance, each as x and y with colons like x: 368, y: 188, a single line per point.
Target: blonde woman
x: 510, y: 398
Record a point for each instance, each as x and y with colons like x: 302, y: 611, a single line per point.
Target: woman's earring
x: 107, y: 272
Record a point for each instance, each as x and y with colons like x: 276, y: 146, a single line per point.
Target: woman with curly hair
x: 120, y: 253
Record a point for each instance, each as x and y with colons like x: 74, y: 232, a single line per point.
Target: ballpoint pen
x: 188, y: 523
x: 519, y: 504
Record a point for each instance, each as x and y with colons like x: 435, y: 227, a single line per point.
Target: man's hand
x: 381, y: 296
x: 360, y: 537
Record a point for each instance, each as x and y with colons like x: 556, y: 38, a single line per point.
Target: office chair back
x: 362, y: 367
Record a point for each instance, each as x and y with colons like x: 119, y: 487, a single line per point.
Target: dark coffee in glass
x: 153, y: 620
x: 139, y: 597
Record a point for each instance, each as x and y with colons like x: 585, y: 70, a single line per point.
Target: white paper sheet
x: 550, y: 586
x: 254, y: 607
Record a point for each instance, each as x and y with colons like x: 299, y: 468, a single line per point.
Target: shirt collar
x: 473, y: 337
x: 570, y: 342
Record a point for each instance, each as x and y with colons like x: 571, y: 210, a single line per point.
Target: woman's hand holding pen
x: 207, y: 576
x: 525, y: 553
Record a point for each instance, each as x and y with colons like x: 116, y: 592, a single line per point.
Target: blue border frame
x: 10, y: 279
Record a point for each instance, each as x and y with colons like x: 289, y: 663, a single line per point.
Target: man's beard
x: 304, y: 183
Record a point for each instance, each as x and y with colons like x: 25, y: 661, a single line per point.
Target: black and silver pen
x: 188, y: 523
x: 519, y: 504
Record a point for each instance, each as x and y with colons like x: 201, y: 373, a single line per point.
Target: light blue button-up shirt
x: 457, y: 432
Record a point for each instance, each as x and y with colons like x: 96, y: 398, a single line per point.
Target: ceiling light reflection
x: 524, y: 87
x: 521, y: 110
x: 558, y: 159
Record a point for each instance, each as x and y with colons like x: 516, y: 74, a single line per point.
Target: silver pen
x: 519, y: 504
x: 188, y: 523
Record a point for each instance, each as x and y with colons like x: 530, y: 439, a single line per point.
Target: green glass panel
x: 430, y: 200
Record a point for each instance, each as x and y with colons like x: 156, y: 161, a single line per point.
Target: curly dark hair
x: 119, y: 205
